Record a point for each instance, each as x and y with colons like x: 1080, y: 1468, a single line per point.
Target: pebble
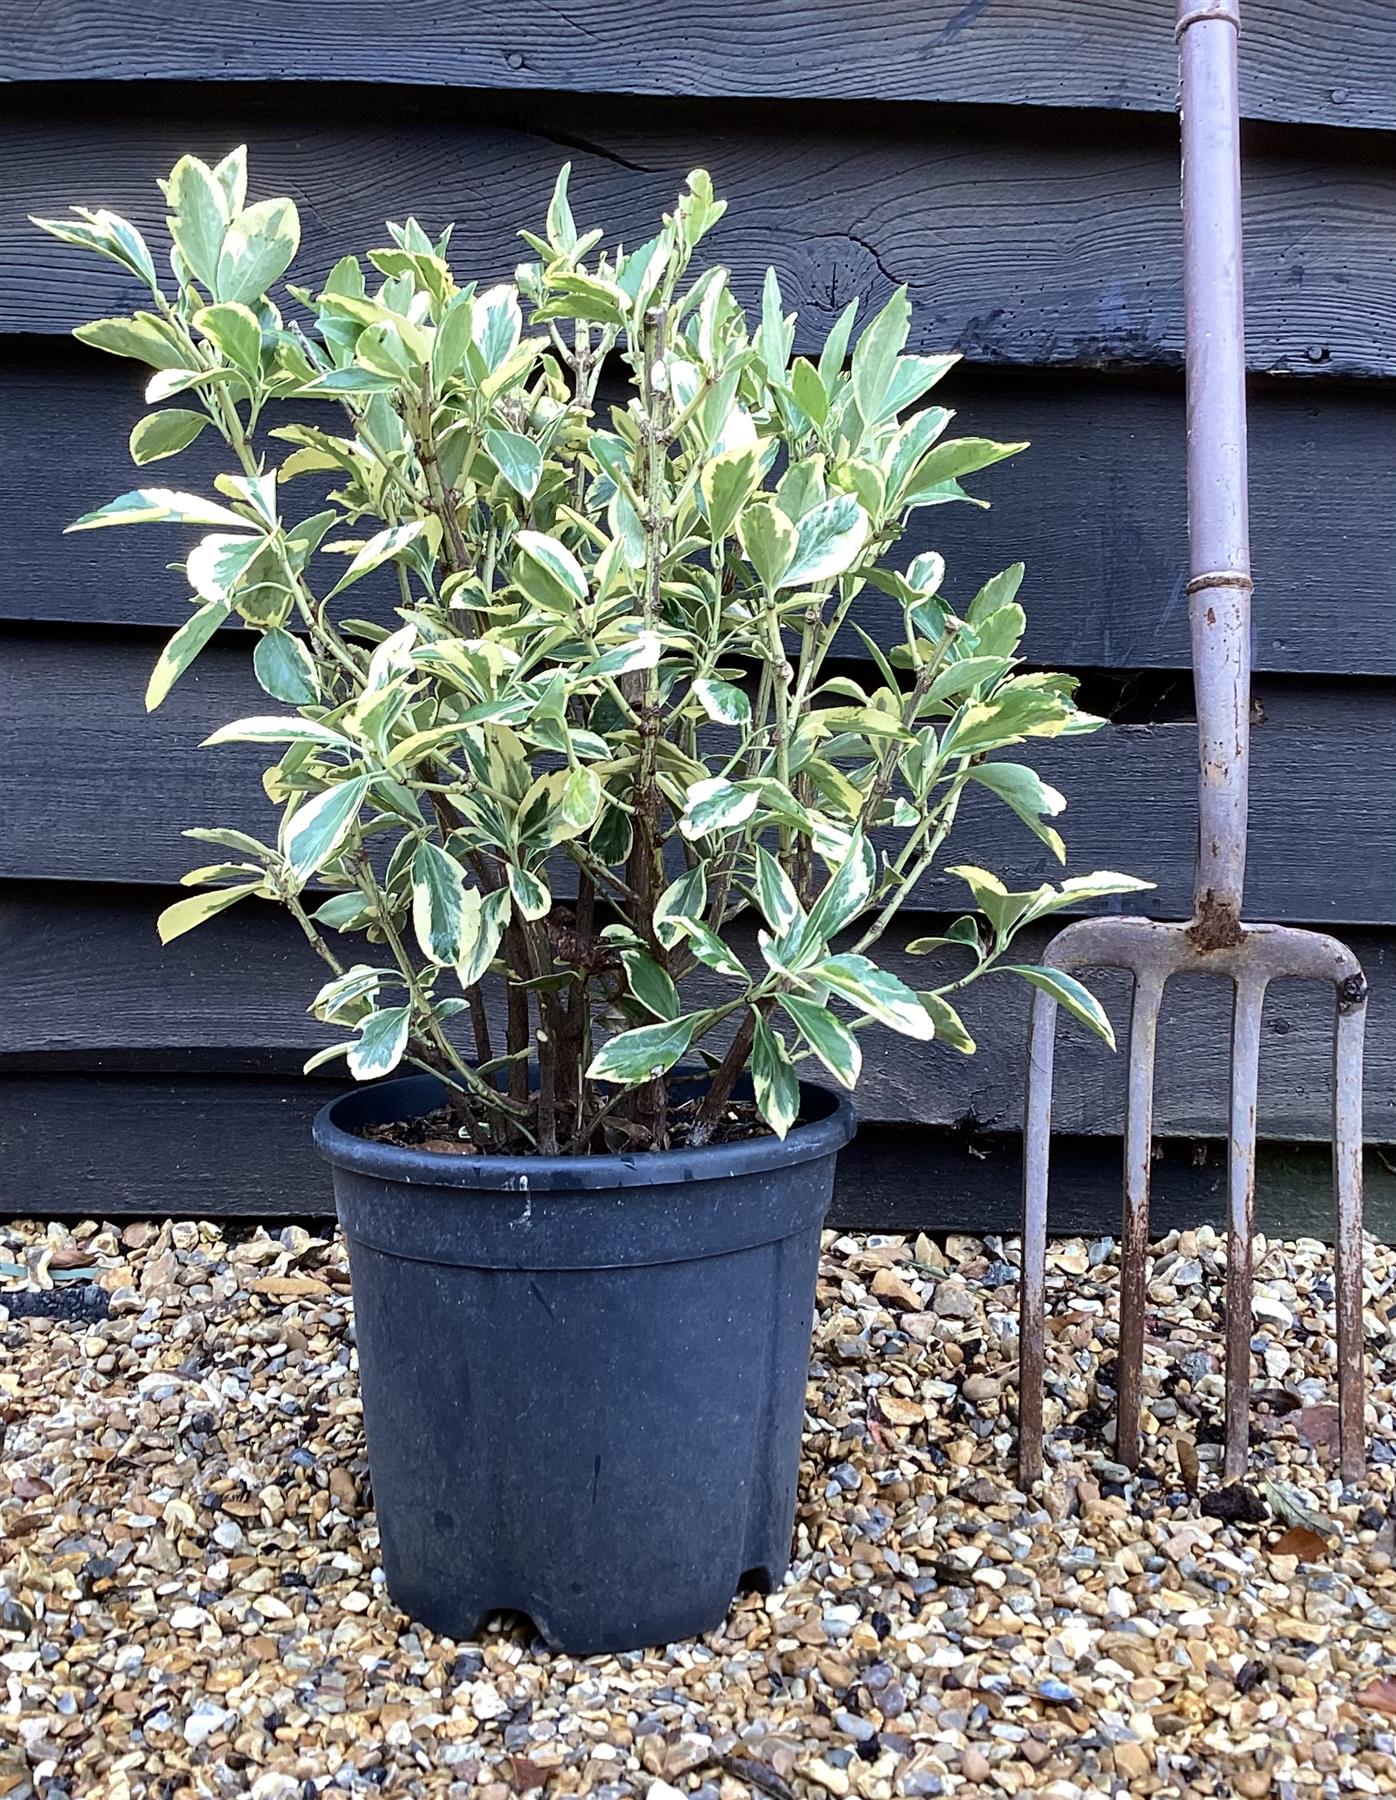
x: 953, y: 1300
x: 190, y: 1567
x: 974, y: 1765
x: 1196, y: 1366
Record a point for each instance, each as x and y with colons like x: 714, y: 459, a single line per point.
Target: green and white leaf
x: 384, y: 546
x: 874, y: 358
x: 341, y: 1000
x: 640, y: 650
x: 548, y: 573
x: 769, y: 540
x: 649, y: 1050
x: 482, y: 928
x: 185, y: 914
x: 318, y: 827
x: 950, y: 1028
x: 775, y: 894
x: 161, y: 434
x: 147, y: 506
x: 181, y: 650
x: 1033, y: 799
x: 258, y: 248
x: 518, y: 459
x: 682, y: 900
x: 846, y: 894
x: 727, y: 483
x: 1068, y: 992
x: 285, y: 669
x: 278, y: 729
x: 827, y: 1035
x: 234, y: 330
x: 829, y: 540
x: 709, y: 948
x: 438, y: 903
x: 381, y: 1043
x: 774, y: 1081
x: 530, y: 893
x: 722, y: 701
x: 651, y: 985
x: 876, y: 992
x: 717, y: 805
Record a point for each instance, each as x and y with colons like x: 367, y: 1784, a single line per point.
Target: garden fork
x: 1215, y: 940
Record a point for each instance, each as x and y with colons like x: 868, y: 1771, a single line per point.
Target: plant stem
x: 645, y: 872
x: 881, y: 784
x: 572, y: 1052
x: 455, y: 550
x: 724, y: 1077
x: 546, y: 1039
x: 292, y: 904
x: 889, y: 908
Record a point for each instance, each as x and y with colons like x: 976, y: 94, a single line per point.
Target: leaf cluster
x: 612, y: 531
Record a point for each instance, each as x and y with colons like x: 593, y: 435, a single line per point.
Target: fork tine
x: 1347, y: 1199
x: 1134, y: 1264
x: 1245, y: 1076
x: 1032, y: 1301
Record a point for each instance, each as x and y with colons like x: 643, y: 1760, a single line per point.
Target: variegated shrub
x: 592, y: 721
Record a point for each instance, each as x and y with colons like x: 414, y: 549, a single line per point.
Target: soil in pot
x: 437, y: 1130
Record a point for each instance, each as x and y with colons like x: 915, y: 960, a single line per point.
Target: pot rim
x: 832, y: 1125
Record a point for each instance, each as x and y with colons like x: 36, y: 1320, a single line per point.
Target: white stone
x: 203, y: 1722
x: 486, y: 1703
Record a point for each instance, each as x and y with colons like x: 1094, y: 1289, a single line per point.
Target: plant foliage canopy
x: 590, y: 716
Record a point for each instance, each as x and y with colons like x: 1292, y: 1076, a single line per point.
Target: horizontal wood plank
x: 1019, y: 245
x: 116, y: 1146
x: 94, y: 789
x: 920, y: 1180
x: 90, y: 987
x: 1096, y: 508
x: 1303, y: 60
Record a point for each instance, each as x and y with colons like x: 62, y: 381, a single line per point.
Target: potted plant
x: 613, y: 535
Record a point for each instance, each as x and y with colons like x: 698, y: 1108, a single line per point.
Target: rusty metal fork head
x: 1151, y: 953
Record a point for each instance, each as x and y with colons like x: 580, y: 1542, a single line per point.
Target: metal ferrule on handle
x: 1219, y: 558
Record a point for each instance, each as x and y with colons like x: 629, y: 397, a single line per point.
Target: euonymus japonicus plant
x: 615, y: 530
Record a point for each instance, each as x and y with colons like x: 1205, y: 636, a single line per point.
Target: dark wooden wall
x: 1015, y: 163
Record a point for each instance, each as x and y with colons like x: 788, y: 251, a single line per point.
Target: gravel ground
x: 189, y: 1602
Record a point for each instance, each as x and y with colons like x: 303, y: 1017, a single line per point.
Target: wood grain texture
x: 90, y: 987
x: 241, y: 1150
x: 1096, y: 508
x: 1018, y: 244
x: 92, y: 788
x: 1304, y: 59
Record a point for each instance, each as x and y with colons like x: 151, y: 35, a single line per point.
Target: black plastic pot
x: 583, y: 1377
